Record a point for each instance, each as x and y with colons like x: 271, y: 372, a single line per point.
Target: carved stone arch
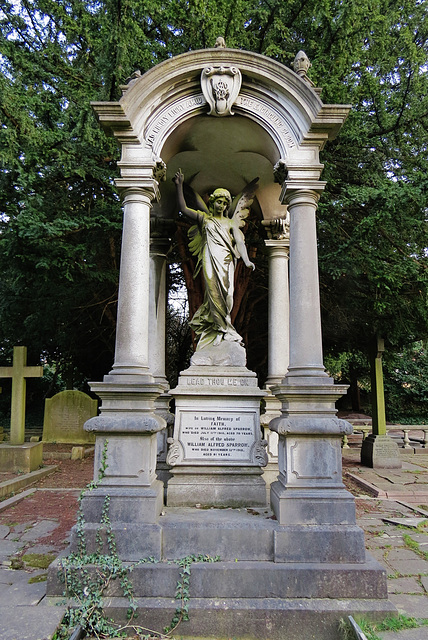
x: 162, y: 112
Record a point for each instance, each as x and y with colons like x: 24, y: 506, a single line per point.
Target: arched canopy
x: 163, y: 117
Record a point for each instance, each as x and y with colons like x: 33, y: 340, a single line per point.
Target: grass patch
x: 39, y: 560
x: 371, y: 629
x: 414, y: 546
x: 41, y: 578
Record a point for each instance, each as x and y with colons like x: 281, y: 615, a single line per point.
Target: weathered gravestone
x: 17, y: 455
x: 379, y: 450
x: 65, y: 415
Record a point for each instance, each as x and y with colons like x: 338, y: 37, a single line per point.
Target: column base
x: 130, y: 504
x: 380, y: 452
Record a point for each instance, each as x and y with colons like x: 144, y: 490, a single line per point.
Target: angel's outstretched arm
x: 179, y: 179
x: 240, y: 245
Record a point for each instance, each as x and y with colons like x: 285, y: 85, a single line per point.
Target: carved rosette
x: 258, y: 453
x: 175, y: 452
x: 221, y: 86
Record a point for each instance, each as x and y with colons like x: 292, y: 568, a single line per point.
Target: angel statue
x: 217, y: 241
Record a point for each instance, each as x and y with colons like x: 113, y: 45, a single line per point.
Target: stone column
x: 278, y: 313
x: 278, y: 248
x: 159, y: 247
x: 126, y: 429
x: 316, y: 513
x: 132, y: 331
x: 305, y: 313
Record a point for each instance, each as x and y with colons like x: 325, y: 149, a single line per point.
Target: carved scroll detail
x: 258, y: 453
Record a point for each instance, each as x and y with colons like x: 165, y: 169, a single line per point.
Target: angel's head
x: 219, y: 201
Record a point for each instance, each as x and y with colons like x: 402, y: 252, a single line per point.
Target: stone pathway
x: 24, y: 612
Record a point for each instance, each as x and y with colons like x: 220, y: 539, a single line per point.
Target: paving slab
x: 22, y: 593
x: 39, y: 530
x: 424, y: 582
x: 421, y: 633
x: 401, y: 554
x: 12, y: 576
x: 409, y: 567
x: 42, y: 549
x: 29, y: 623
x: 406, y: 522
x: 22, y: 527
x: 415, y: 606
x: 404, y: 585
x: 386, y: 541
x: 4, y: 531
x: 9, y: 547
x: 420, y: 538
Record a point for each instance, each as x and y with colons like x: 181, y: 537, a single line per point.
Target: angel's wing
x: 240, y: 207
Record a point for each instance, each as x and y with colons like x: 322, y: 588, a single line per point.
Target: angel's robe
x: 212, y: 241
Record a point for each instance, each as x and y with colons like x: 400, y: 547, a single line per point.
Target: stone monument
x: 225, y: 116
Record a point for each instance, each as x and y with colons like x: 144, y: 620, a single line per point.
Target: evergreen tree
x: 60, y: 216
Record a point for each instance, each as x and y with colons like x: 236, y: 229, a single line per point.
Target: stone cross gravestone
x: 65, y: 415
x: 19, y: 372
x: 378, y: 449
x: 17, y: 455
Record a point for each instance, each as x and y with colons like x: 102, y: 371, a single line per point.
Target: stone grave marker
x: 19, y: 372
x: 65, y: 414
x: 17, y: 455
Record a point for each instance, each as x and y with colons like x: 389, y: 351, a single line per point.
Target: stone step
x: 250, y: 580
x: 232, y: 534
x: 253, y: 618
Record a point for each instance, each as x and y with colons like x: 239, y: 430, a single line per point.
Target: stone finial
x: 134, y: 76
x: 220, y: 43
x: 301, y: 64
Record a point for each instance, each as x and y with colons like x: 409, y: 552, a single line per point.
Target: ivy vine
x: 87, y: 577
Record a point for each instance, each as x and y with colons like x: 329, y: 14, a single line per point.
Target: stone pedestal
x: 217, y: 451
x: 316, y: 512
x: 379, y: 451
x: 24, y: 457
x: 125, y: 453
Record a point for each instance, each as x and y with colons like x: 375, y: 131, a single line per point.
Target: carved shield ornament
x: 221, y: 86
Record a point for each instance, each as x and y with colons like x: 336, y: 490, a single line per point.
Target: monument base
x: 217, y: 452
x: 380, y: 452
x: 24, y: 457
x: 217, y: 487
x: 251, y: 592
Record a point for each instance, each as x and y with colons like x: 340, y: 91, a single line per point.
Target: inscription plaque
x: 223, y: 436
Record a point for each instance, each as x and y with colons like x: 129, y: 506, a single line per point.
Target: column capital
x: 302, y: 192
x: 278, y: 248
x: 134, y: 190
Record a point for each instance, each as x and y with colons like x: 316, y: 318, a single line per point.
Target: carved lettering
x: 209, y: 436
x: 181, y: 106
x: 256, y: 106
